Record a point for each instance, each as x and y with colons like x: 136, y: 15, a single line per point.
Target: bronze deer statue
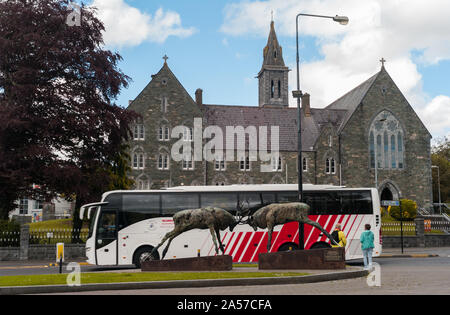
x: 214, y: 219
x: 276, y: 214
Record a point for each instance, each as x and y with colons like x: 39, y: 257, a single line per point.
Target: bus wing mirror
x: 89, y: 212
x: 82, y: 212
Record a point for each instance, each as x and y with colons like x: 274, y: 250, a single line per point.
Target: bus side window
x: 138, y: 207
x: 362, y: 201
x: 268, y: 198
x: 175, y: 202
x: 290, y: 196
x: 226, y: 201
x: 251, y: 201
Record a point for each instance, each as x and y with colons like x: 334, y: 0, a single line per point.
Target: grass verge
x: 90, y: 278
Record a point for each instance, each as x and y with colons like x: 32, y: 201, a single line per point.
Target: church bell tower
x: 273, y: 77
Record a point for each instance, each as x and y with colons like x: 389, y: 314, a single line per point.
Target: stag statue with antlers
x: 214, y: 219
x: 277, y: 214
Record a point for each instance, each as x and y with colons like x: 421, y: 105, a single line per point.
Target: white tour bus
x: 127, y: 224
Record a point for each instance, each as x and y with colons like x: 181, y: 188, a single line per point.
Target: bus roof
x: 236, y: 188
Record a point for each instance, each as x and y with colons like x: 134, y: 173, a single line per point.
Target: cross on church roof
x: 165, y: 58
x: 383, y: 61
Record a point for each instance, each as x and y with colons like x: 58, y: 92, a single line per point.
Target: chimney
x: 199, y: 97
x: 306, y: 105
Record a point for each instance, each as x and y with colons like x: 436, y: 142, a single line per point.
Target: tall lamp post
x: 343, y: 20
x: 439, y: 189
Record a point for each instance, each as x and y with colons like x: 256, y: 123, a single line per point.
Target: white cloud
x: 128, y: 26
x: 436, y: 115
x: 395, y: 30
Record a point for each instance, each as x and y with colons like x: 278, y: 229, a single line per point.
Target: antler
x: 242, y: 212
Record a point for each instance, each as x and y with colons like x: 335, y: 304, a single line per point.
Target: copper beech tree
x: 59, y: 125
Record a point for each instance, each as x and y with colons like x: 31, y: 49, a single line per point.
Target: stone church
x: 370, y: 137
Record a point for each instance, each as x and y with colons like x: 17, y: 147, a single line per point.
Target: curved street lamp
x: 343, y: 20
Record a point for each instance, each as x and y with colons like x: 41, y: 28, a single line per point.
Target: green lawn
x: 89, y: 278
x: 55, y: 225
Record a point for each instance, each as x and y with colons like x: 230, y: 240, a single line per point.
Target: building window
x: 279, y: 89
x: 164, y: 104
x: 305, y: 165
x: 139, y: 132
x: 38, y: 204
x: 219, y: 164
x: 188, y: 134
x: 400, y: 149
x: 272, y: 89
x: 23, y: 206
x: 372, y: 150
x: 244, y: 164
x: 164, y: 133
x: 386, y: 142
x: 163, y: 161
x: 188, y: 164
x: 330, y: 166
x: 142, y: 184
x: 138, y: 161
x: 277, y: 165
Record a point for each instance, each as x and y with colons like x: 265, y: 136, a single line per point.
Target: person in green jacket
x: 367, y: 246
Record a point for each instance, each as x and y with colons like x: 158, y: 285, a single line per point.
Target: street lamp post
x: 439, y: 188
x: 343, y: 20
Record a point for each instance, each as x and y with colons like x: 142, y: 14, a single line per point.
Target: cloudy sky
x: 217, y: 46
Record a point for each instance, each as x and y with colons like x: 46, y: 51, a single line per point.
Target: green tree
x: 119, y: 170
x: 59, y: 125
x: 440, y: 157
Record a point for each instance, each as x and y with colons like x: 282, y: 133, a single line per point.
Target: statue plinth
x: 316, y: 259
x: 209, y: 263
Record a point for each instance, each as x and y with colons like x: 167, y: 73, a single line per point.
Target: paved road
x: 398, y: 276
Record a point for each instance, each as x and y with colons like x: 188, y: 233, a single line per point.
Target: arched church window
x: 279, y: 89
x: 372, y: 150
x: 400, y: 149
x: 386, y: 149
x: 272, y: 90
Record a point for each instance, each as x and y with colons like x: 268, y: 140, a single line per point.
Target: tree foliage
x: 440, y: 157
x: 408, y: 210
x: 59, y: 125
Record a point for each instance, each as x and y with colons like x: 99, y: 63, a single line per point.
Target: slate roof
x: 286, y: 118
x: 350, y: 101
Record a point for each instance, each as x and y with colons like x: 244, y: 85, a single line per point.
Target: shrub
x: 9, y: 226
x: 409, y: 210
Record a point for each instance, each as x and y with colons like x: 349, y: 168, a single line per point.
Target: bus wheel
x: 287, y: 247
x: 320, y: 245
x: 144, y: 253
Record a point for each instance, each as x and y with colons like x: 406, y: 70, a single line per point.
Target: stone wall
x: 48, y: 252
x: 9, y: 253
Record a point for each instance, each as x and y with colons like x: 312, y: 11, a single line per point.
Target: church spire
x: 273, y: 77
x: 273, y: 52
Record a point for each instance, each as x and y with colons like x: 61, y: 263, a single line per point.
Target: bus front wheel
x: 142, y: 253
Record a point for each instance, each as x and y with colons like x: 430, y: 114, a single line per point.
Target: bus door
x: 106, y: 238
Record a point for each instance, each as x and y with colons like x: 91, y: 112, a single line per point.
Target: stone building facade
x: 369, y: 137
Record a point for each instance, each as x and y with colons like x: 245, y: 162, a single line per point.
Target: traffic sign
x: 391, y: 203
